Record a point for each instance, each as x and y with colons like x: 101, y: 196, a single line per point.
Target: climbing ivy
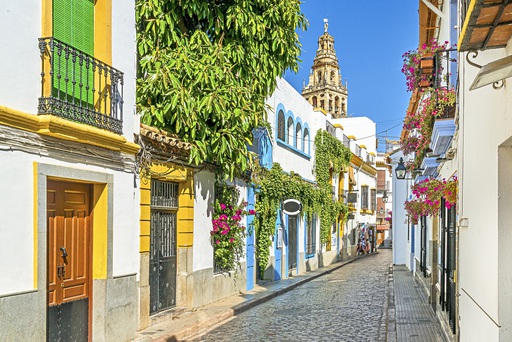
x: 275, y: 185
x: 331, y: 158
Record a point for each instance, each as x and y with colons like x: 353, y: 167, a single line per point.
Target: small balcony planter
x: 427, y: 65
x: 420, y: 67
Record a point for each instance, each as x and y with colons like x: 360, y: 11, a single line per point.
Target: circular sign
x: 292, y: 206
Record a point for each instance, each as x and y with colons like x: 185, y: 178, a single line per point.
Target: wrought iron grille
x: 164, y: 194
x: 80, y: 88
x: 163, y: 234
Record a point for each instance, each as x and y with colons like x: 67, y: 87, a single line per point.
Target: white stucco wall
x: 292, y: 101
x: 21, y: 63
x: 17, y: 228
x: 126, y: 211
x: 363, y: 128
x: 485, y: 125
x: 203, y: 210
x: 124, y: 59
x: 400, y: 189
x: 18, y: 233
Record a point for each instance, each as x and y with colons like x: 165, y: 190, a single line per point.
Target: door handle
x: 64, y: 253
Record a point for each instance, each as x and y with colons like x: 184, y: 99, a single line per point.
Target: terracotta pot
x: 427, y: 65
x: 425, y: 83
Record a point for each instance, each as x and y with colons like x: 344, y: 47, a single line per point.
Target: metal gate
x: 162, y: 260
x: 451, y: 271
x: 423, y: 244
x: 443, y: 279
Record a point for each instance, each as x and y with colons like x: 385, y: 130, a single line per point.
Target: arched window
x: 298, y: 136
x: 306, y: 141
x: 289, y: 131
x: 315, y: 102
x: 333, y: 76
x: 337, y: 105
x: 280, y: 125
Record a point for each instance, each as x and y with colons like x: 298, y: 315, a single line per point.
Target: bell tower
x: 325, y: 89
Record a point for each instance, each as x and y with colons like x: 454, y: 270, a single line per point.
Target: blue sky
x: 369, y: 38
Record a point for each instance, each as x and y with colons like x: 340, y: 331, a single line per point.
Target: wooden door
x: 69, y: 260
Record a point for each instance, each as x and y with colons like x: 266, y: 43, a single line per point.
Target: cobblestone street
x: 345, y: 305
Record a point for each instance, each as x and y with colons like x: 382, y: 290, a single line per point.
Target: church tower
x: 325, y: 89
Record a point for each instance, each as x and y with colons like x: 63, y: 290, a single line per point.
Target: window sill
x: 293, y: 149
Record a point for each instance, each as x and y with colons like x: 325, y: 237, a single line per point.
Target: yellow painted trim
x: 36, y: 207
x: 357, y: 162
x: 178, y: 174
x: 145, y: 215
x: 463, y: 32
x: 100, y: 232
x: 56, y: 127
x: 352, y: 137
x: 47, y: 18
x: 103, y: 31
x: 363, y: 146
x: 372, y: 154
x: 185, y: 214
x: 337, y: 125
x: 320, y: 109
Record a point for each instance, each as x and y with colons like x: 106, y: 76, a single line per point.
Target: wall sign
x: 291, y: 206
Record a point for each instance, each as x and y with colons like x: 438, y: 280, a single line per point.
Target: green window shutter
x: 73, y: 23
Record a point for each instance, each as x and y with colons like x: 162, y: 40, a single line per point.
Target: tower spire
x: 325, y: 89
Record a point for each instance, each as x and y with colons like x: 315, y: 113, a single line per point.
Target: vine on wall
x: 275, y: 185
x: 331, y: 158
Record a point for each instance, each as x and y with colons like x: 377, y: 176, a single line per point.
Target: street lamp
x: 381, y: 211
x: 400, y: 170
x: 385, y: 197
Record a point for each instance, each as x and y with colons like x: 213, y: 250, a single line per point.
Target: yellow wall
x: 185, y: 225
x: 100, y: 232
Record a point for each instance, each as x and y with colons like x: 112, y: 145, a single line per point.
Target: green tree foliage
x: 207, y: 66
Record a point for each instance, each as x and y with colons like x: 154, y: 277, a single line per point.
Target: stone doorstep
x: 166, y: 315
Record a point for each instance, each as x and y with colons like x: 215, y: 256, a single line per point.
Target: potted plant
x: 419, y: 65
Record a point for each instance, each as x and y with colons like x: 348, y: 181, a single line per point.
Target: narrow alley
x: 348, y: 304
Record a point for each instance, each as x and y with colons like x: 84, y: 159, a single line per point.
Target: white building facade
x: 69, y: 240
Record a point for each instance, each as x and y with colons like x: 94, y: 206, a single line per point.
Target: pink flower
x: 252, y: 212
x: 222, y: 206
x: 232, y: 239
x: 217, y: 242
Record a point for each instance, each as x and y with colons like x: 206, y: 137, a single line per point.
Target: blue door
x: 278, y: 239
x: 249, y: 249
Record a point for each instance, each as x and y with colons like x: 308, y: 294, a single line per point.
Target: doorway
x: 162, y: 259
x: 292, y: 245
x: 69, y: 261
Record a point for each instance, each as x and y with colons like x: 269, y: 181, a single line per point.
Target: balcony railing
x: 80, y: 88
